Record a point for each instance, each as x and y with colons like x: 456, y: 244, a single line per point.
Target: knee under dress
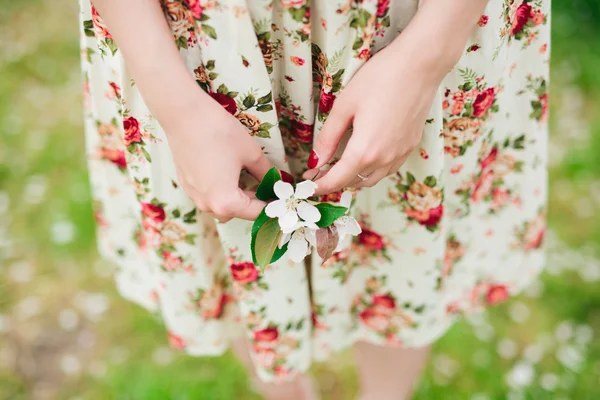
x: 457, y: 228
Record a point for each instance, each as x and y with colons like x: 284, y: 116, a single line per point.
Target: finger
x: 374, y: 178
x: 367, y: 173
x: 329, y: 137
x: 247, y: 207
x: 313, y: 174
x: 396, y: 166
x: 256, y: 163
x: 339, y: 176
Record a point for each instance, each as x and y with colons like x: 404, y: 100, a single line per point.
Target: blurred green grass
x: 65, y: 333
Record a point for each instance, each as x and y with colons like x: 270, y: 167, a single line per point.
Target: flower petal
x: 346, y: 199
x: 305, y: 189
x: 347, y: 226
x: 310, y: 236
x: 298, y: 247
x: 284, y: 239
x: 283, y: 190
x: 276, y: 209
x: 308, y: 212
x: 288, y: 221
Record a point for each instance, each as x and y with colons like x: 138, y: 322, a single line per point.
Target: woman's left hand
x: 387, y: 103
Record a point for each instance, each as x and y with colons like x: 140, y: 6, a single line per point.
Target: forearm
x: 151, y: 55
x: 439, y: 31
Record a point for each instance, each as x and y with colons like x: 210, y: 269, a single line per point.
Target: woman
x: 447, y: 107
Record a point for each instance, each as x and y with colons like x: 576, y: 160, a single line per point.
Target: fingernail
x: 286, y: 177
x: 313, y: 159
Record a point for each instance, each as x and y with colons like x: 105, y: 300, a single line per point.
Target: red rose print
x: 386, y: 301
x: 499, y: 198
x: 195, y: 7
x: 244, y: 272
x: 175, y: 341
x: 489, y: 159
x: 521, y: 17
x: 483, y: 102
x: 264, y: 356
x: 116, y: 89
x: 364, y: 54
x: 170, y: 261
x: 496, y: 294
x: 218, y: 310
x: 117, y: 157
x: 303, y: 132
x: 537, y: 17
x: 371, y: 240
x: 326, y: 102
x: 483, y: 20
x: 382, y: 6
x: 483, y: 186
x: 297, y: 60
x: 375, y: 319
x: 131, y: 126
x: 331, y: 197
x: 227, y: 102
x: 266, y: 335
x: 544, y: 101
x: 155, y: 213
x: 435, y: 215
x: 99, y: 26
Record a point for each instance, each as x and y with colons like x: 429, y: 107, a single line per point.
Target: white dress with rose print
x: 457, y: 228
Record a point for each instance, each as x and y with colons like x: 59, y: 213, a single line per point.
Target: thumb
x: 256, y: 163
x: 329, y: 137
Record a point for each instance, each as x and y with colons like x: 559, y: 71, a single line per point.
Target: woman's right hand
x: 210, y: 148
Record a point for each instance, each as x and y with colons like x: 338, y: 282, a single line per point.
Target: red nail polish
x: 313, y: 159
x: 286, y: 177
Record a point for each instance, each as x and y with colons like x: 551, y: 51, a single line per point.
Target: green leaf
x: 329, y: 213
x: 88, y: 24
x: 297, y: 13
x: 210, y: 65
x: 89, y: 32
x: 112, y: 45
x: 258, y: 223
x: 410, y: 178
x: 279, y: 252
x: 146, y: 154
x: 181, y: 43
x: 176, y: 213
x: 209, y: 30
x: 190, y: 239
x: 232, y: 94
x: 265, y: 191
x: 264, y: 108
x: 265, y: 126
x: 190, y: 217
x: 212, y: 76
x: 266, y: 241
x: 249, y: 101
x: 266, y: 99
x: 402, y: 188
x: 222, y: 89
x: 430, y: 181
x: 357, y: 43
x: 263, y: 134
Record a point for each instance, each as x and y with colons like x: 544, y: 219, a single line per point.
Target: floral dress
x: 457, y: 228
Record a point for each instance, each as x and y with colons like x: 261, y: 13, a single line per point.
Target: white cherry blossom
x: 346, y: 225
x: 300, y: 241
x: 292, y: 205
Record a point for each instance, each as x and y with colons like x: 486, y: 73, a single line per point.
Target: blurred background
x: 66, y: 334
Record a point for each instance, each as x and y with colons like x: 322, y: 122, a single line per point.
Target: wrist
x: 434, y: 62
x: 172, y: 102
